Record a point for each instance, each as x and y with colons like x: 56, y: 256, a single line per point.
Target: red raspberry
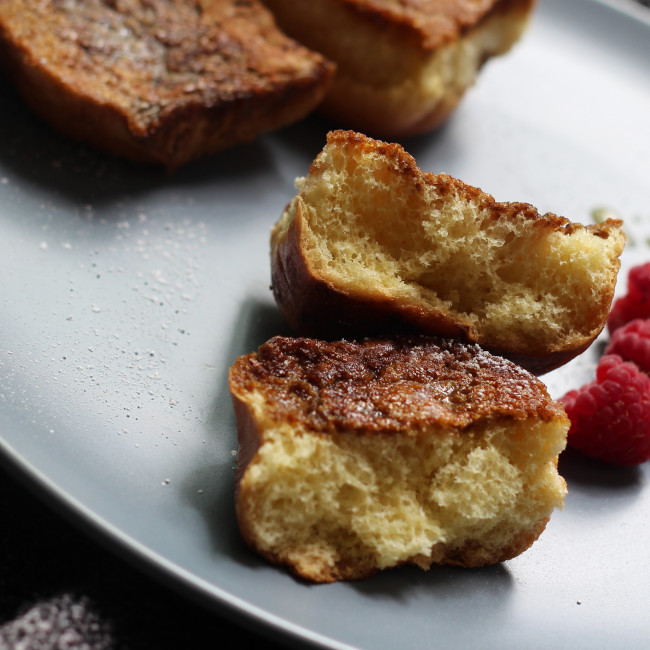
x: 636, y: 304
x: 632, y: 342
x: 610, y: 417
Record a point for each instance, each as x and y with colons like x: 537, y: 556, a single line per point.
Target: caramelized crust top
x: 388, y: 385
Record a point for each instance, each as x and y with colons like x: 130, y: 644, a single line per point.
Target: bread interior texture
x: 377, y: 228
x: 337, y: 506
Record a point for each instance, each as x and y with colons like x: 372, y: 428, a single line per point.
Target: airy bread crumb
x: 357, y: 457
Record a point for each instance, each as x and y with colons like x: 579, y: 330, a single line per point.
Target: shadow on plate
x: 210, y: 487
x: 582, y: 472
x: 442, y: 581
x: 48, y: 161
x: 307, y: 137
x: 259, y: 321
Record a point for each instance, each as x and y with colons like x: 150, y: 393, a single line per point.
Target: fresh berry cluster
x: 636, y: 303
x: 632, y: 342
x: 610, y: 417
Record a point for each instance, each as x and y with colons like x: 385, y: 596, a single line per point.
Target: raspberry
x: 636, y: 303
x: 610, y: 417
x: 632, y: 342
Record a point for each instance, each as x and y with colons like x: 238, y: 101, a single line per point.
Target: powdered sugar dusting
x: 121, y: 310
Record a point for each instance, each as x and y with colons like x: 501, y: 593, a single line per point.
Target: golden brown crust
x: 163, y: 81
x: 316, y: 306
x: 381, y: 390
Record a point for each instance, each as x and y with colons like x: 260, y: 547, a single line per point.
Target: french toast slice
x: 402, y: 66
x: 371, y: 245
x: 356, y: 457
x: 162, y: 81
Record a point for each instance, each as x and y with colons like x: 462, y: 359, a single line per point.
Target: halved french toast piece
x: 371, y: 245
x: 361, y: 456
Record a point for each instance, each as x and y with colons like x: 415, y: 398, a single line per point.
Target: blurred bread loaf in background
x: 162, y: 81
x: 402, y: 65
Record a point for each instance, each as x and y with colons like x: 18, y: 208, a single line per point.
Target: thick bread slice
x: 372, y: 245
x: 402, y: 66
x: 356, y: 457
x: 162, y: 81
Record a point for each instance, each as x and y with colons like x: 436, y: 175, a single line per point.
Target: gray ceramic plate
x: 125, y: 295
